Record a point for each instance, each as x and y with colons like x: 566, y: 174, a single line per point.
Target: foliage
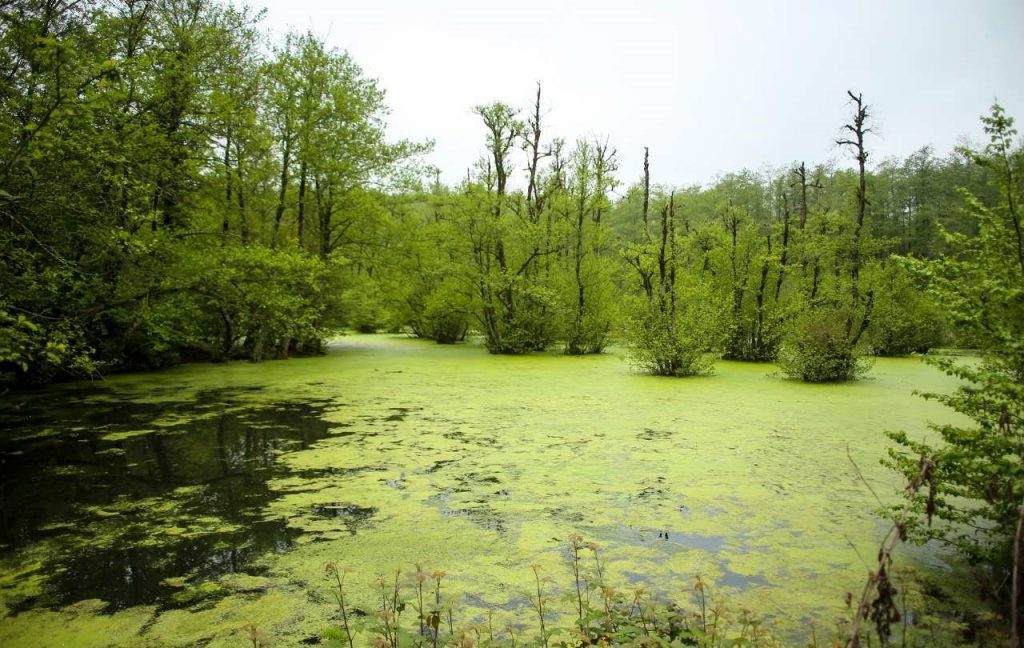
x: 589, y: 299
x: 414, y: 611
x: 179, y: 188
x: 171, y: 189
x: 266, y: 299
x: 905, y: 318
x: 683, y: 346
x: 980, y: 467
x: 817, y: 348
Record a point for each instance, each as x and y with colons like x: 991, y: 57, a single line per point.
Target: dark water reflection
x: 119, y: 509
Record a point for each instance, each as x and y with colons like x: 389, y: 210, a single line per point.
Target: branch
x: 896, y: 534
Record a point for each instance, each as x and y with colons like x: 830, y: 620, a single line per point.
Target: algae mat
x: 176, y: 508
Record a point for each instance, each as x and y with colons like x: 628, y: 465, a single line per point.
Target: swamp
x: 366, y: 333
x: 180, y: 506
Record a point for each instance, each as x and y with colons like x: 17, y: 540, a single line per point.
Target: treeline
x: 799, y: 264
x: 175, y: 186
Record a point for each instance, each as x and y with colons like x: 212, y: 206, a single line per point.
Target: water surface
x: 173, y: 508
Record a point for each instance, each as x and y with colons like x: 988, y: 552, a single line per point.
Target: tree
x: 979, y: 491
x: 679, y: 320
x: 514, y: 301
x: 590, y: 305
x: 823, y: 343
x: 147, y: 165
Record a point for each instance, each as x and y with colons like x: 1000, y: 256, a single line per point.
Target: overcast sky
x: 710, y: 87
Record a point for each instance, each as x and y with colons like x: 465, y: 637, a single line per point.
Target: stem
x: 892, y: 538
x: 540, y: 608
x: 419, y: 599
x: 394, y: 605
x: 384, y: 611
x: 703, y: 604
x: 341, y: 604
x: 575, y: 545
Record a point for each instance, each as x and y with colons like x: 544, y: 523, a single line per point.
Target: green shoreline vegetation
x: 175, y: 187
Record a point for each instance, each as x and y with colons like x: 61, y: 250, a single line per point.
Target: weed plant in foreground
x: 414, y: 612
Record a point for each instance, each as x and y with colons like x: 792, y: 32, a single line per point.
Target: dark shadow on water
x: 352, y: 516
x: 118, y: 517
x: 730, y: 578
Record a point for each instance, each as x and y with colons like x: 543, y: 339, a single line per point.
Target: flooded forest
x: 266, y: 379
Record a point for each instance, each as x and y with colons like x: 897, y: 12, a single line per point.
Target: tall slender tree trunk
x: 243, y: 217
x: 301, y: 217
x: 578, y: 267
x: 858, y: 129
x: 784, y: 257
x: 801, y: 174
x: 226, y: 225
x: 647, y: 192
x: 757, y: 341
x: 672, y: 257
x: 645, y: 275
x: 282, y: 191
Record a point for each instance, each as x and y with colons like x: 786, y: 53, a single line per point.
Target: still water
x: 174, y: 508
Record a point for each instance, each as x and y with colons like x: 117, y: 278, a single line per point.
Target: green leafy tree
x: 590, y: 305
x: 978, y: 497
x: 823, y: 344
x: 679, y: 322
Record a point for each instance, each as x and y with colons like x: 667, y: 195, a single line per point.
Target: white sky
x: 710, y: 87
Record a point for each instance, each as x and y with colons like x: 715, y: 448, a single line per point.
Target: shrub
x: 681, y: 345
x: 817, y: 348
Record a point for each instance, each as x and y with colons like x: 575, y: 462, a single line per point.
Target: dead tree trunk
x: 858, y: 130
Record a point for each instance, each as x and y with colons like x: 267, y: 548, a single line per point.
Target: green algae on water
x: 223, y: 504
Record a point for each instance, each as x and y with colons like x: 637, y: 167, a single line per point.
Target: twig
x: 861, y: 476
x: 895, y: 535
